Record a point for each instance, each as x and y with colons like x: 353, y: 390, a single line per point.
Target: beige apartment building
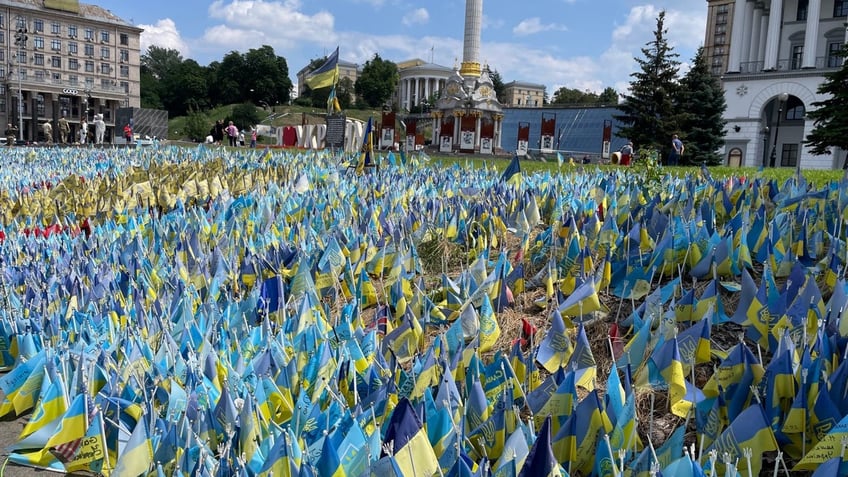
x: 63, y: 57
x: 521, y: 94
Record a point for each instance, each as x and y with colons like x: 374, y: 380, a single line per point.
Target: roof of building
x: 523, y: 84
x: 418, y: 63
x: 87, y: 11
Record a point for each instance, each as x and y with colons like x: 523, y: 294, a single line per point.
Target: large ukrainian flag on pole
x: 327, y: 74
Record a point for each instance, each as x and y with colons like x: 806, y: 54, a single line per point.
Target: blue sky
x: 583, y: 44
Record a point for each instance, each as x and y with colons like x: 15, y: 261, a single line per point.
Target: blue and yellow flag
x: 326, y: 74
x: 750, y: 430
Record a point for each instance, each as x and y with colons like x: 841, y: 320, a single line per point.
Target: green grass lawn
x: 781, y: 174
x: 294, y: 115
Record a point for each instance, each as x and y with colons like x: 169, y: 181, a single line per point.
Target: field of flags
x: 207, y: 312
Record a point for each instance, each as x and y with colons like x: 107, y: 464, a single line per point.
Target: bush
x: 196, y: 126
x: 245, y: 115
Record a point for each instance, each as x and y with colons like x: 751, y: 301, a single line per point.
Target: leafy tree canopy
x: 377, y: 81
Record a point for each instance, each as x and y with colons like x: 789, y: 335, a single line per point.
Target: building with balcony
x: 65, y: 58
x: 777, y: 53
x: 521, y: 94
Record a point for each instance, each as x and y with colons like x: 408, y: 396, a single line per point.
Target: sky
x: 584, y: 44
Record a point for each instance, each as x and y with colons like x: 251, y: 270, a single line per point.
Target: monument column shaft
x: 471, y: 43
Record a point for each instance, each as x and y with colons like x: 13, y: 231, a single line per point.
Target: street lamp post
x: 781, y: 100
x: 20, y: 42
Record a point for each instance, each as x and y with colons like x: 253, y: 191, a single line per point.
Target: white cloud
x: 530, y: 26
x: 419, y: 16
x: 245, y: 24
x: 163, y: 34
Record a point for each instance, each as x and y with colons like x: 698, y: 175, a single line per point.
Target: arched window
x: 794, y: 109
x: 734, y: 157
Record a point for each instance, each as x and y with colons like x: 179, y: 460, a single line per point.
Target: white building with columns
x: 419, y: 82
x: 776, y: 54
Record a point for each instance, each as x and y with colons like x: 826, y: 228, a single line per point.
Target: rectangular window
x: 104, y: 36
x: 125, y: 39
x: 720, y: 39
x: 125, y: 56
x: 834, y: 60
x: 2, y: 71
x: 89, y: 50
x: 105, y: 83
x: 721, y: 19
x: 20, y: 23
x: 22, y: 57
x: 73, y: 48
x: 801, y: 12
x: 55, y: 28
x: 57, y: 77
x: 89, y: 82
x: 56, y: 45
x: 125, y: 85
x: 56, y: 61
x: 104, y: 52
x: 105, y: 68
x: 797, y: 56
x: 840, y: 8
x: 2, y: 37
x: 125, y: 70
x: 38, y: 43
x: 89, y: 66
x: 722, y: 8
x: 73, y: 64
x: 73, y: 80
x: 2, y: 105
x: 72, y: 31
x: 38, y: 26
x: 789, y: 155
x: 39, y: 108
x: 39, y: 75
x: 89, y: 34
x: 38, y: 59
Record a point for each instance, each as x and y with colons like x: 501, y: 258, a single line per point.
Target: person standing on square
x: 677, y: 149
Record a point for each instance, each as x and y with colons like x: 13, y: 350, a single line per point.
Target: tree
x: 160, y: 61
x: 265, y: 76
x: 184, y: 88
x: 608, y: 96
x: 157, y: 65
x: 196, y: 126
x: 830, y: 116
x: 648, y: 110
x: 245, y: 115
x: 344, y: 92
x: 229, y: 77
x: 498, y: 85
x: 702, y: 106
x: 377, y: 82
x: 574, y: 96
x: 150, y: 89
